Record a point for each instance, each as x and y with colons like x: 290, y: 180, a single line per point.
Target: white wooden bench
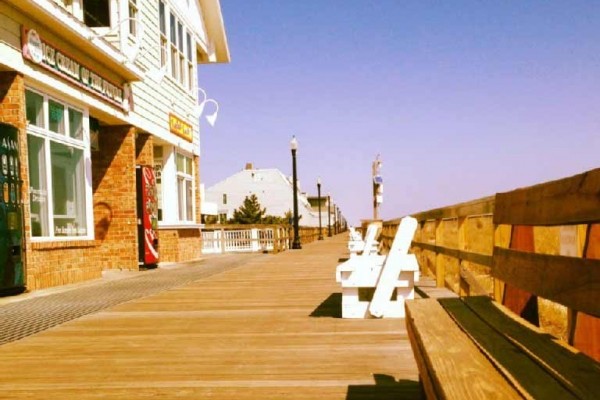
x: 477, y: 348
x: 356, y: 245
x: 377, y: 285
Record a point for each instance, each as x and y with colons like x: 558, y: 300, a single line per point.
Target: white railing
x: 227, y: 240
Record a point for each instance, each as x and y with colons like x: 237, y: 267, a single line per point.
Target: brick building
x: 96, y: 88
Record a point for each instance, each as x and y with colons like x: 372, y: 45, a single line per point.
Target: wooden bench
x: 478, y: 348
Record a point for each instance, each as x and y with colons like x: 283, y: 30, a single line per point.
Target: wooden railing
x: 461, y: 246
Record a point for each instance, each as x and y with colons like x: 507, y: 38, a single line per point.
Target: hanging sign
x: 180, y: 127
x: 39, y: 51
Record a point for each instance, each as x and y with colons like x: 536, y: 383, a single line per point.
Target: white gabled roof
x: 272, y: 188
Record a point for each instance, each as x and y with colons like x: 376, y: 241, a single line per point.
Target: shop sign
x: 180, y: 127
x: 41, y: 52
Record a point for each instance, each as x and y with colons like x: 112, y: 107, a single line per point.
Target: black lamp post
x: 328, y: 215
x: 319, y: 199
x: 335, y: 227
x: 294, y: 146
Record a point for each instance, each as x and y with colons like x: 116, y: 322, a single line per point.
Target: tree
x: 249, y: 212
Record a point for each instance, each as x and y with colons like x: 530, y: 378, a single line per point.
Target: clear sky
x: 462, y: 99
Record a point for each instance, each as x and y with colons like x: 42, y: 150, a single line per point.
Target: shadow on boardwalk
x: 385, y: 388
x: 331, y: 307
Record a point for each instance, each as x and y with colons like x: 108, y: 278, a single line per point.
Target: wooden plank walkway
x: 267, y: 330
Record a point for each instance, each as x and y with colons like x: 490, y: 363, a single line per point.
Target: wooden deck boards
x: 266, y: 330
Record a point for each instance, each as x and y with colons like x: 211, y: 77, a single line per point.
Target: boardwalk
x: 269, y: 329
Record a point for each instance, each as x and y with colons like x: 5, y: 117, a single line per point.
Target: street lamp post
x: 294, y: 146
x: 328, y: 216
x: 319, y: 199
x: 335, y: 221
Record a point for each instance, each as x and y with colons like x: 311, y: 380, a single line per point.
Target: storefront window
x: 38, y: 194
x: 185, y: 188
x: 75, y: 124
x: 68, y: 190
x: 35, y: 108
x: 57, y: 117
x: 58, y: 157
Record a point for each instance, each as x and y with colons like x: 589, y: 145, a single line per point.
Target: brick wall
x: 179, y: 245
x: 144, y: 149
x: 113, y: 177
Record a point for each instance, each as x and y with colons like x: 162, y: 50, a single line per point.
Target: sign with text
x: 39, y: 51
x: 180, y: 127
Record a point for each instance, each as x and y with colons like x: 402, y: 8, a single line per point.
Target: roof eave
x: 215, y: 30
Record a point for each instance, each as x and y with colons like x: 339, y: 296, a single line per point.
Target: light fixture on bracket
x: 211, y: 118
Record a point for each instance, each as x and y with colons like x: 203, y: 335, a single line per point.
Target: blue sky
x: 462, y: 99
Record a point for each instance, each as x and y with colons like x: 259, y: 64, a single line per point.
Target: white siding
x: 273, y: 190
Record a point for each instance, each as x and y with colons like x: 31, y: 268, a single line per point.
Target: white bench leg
x: 351, y: 306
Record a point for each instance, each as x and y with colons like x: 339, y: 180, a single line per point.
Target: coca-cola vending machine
x: 147, y: 216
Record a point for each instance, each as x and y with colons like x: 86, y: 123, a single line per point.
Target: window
x: 35, y: 108
x: 182, y: 63
x: 96, y: 13
x: 58, y: 164
x: 176, y: 47
x: 163, y: 34
x: 224, y: 198
x: 133, y: 14
x: 190, y: 62
x: 174, y: 53
x: 185, y: 187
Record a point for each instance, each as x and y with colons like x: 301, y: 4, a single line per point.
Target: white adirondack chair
x: 354, y: 235
x: 368, y: 245
x: 368, y: 249
x: 395, y: 272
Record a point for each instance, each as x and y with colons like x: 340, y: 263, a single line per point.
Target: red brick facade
x: 113, y: 177
x: 177, y: 245
x: 115, y: 245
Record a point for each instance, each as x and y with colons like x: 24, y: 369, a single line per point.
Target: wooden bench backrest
x: 404, y: 236
x: 571, y: 281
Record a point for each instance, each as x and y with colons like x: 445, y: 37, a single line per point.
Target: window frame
x: 188, y: 178
x: 48, y: 137
x: 133, y: 12
x: 176, y: 44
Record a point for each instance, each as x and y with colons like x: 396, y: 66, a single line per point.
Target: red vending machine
x: 147, y: 216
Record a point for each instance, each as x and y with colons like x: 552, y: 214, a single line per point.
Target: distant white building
x: 272, y: 188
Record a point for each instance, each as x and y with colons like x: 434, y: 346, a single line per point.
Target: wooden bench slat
x: 516, y: 362
x: 468, y: 374
x: 575, y: 370
x: 573, y: 200
x: 573, y: 282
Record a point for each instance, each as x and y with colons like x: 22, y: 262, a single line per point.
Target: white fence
x: 244, y: 240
